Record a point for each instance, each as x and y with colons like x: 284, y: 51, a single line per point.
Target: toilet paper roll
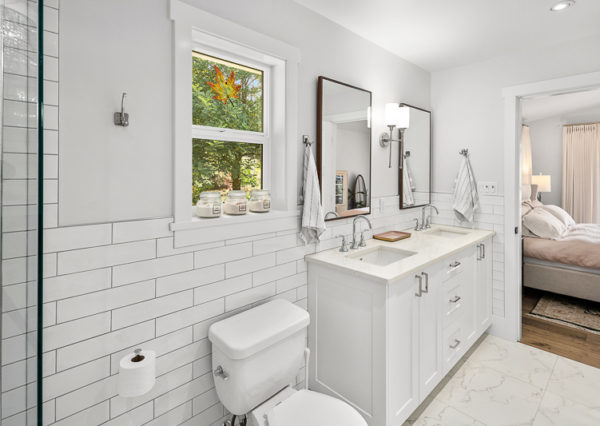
x: 137, y: 373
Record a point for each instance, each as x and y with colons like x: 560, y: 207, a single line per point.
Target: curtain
x: 526, y: 167
x: 581, y: 172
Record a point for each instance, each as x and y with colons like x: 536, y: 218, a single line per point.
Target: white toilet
x: 256, y: 356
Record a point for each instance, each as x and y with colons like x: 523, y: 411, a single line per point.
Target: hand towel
x: 466, y: 197
x: 313, y: 220
x: 408, y: 198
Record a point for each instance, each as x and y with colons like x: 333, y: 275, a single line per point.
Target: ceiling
x: 563, y: 106
x: 443, y: 34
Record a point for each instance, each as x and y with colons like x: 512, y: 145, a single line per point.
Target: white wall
x: 546, y: 154
x: 110, y: 173
x: 468, y: 106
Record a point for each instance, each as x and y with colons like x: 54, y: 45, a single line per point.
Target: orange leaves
x: 224, y: 90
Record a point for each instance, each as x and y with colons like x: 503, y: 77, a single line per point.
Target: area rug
x: 569, y: 311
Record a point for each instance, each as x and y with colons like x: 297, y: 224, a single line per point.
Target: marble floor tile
x: 492, y: 397
x: 556, y: 410
x: 440, y: 414
x: 519, y: 361
x: 576, y: 382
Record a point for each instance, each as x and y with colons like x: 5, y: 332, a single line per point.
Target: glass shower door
x: 20, y: 214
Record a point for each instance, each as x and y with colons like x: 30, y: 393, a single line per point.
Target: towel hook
x: 122, y: 118
x: 306, y: 141
x: 464, y: 152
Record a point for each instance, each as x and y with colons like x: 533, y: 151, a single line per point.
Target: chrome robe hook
x: 122, y: 118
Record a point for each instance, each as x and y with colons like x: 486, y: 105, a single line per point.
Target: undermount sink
x: 445, y: 233
x: 381, y: 255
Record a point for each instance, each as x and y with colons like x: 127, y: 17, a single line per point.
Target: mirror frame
x: 320, y: 141
x: 400, y: 159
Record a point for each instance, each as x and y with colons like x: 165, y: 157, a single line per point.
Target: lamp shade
x: 397, y: 116
x: 544, y: 182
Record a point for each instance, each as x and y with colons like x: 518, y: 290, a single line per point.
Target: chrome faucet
x: 356, y: 244
x: 426, y: 222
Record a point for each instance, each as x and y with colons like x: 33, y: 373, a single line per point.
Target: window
x: 229, y: 129
x: 247, y: 136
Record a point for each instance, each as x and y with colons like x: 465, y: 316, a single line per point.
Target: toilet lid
x: 307, y: 408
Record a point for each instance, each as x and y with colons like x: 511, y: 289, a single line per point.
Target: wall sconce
x: 395, y: 116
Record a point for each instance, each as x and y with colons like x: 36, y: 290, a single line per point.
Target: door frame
x: 510, y: 326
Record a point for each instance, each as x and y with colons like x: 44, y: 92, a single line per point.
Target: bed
x: 568, y: 264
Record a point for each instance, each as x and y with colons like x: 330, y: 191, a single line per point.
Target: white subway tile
x: 76, y: 237
x: 182, y: 356
x: 274, y: 273
x: 141, y: 230
x: 145, y: 270
x: 219, y: 289
x: 68, y: 333
x: 14, y: 297
x: 204, y: 401
x: 277, y: 243
x: 189, y: 316
x: 183, y: 393
x: 87, y: 350
x: 222, y: 254
x: 164, y: 247
x: 14, y: 244
x: 75, y: 378
x: 202, y: 366
x: 102, y: 301
x: 95, y: 415
x: 150, y: 309
x: 14, y: 271
x: 100, y: 257
x: 14, y: 192
x: 212, y: 416
x: 245, y: 266
x: 247, y: 297
x: 292, y: 254
x: 86, y: 397
x: 64, y: 286
x: 136, y: 417
x: 174, y: 417
x: 189, y: 280
x: 292, y: 282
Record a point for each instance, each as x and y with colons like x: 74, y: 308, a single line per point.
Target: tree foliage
x: 218, y: 165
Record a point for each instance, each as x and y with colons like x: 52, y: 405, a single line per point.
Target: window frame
x: 195, y: 29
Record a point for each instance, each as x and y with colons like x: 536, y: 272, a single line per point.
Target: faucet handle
x: 362, y: 239
x: 344, y: 246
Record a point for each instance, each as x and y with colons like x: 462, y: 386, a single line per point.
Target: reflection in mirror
x: 415, y: 176
x: 344, y: 148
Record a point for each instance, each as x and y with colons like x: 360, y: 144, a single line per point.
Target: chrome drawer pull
x: 455, y: 265
x: 483, y: 251
x: 420, y: 278
x: 455, y: 344
x: 426, y: 275
x: 455, y: 300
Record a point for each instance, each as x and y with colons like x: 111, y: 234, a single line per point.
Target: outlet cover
x: 488, y: 188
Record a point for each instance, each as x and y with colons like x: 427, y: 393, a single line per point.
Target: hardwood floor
x: 578, y: 345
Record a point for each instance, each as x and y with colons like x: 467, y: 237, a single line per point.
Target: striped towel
x: 408, y: 198
x: 466, y: 198
x: 313, y: 220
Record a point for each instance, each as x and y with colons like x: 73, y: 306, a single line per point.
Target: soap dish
x: 392, y: 236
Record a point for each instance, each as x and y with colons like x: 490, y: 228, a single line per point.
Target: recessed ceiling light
x: 562, y: 5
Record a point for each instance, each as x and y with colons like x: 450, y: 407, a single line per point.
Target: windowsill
x: 225, y: 220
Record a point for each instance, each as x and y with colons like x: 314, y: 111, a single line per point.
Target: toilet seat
x: 308, y: 408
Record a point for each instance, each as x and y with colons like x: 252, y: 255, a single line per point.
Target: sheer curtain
x: 581, y: 172
x: 526, y: 167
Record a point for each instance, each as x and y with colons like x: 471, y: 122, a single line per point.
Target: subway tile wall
x: 115, y: 286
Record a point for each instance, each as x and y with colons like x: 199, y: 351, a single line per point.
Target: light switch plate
x: 488, y: 188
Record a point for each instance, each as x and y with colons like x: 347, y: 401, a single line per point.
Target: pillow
x: 560, y: 214
x: 525, y: 208
x: 525, y: 192
x: 533, y: 203
x: 544, y: 224
x: 534, y: 191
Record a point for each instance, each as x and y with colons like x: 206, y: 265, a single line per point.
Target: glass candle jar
x: 260, y: 201
x: 236, y: 203
x: 209, y: 205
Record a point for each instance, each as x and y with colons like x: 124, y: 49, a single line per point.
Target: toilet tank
x: 260, y: 351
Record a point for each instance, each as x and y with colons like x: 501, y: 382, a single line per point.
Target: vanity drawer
x: 453, y: 300
x: 455, y: 265
x: 453, y: 346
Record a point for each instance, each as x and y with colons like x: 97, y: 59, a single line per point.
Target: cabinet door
x: 467, y: 281
x: 483, y: 287
x: 403, y: 351
x: 430, y: 333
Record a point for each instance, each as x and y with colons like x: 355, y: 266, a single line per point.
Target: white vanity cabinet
x: 383, y: 345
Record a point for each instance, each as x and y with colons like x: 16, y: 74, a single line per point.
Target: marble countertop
x: 429, y: 247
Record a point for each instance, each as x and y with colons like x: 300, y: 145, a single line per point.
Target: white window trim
x: 195, y: 29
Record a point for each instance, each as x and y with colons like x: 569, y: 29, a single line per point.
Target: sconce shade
x: 544, y: 182
x: 397, y: 116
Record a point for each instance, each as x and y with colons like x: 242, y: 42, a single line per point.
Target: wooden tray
x: 392, y: 236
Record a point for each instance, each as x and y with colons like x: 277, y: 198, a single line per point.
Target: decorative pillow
x: 544, y: 224
x: 525, y: 208
x: 533, y: 203
x: 525, y: 192
x: 560, y: 214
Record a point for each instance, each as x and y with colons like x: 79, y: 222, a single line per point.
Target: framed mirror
x: 344, y: 148
x: 414, y: 177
